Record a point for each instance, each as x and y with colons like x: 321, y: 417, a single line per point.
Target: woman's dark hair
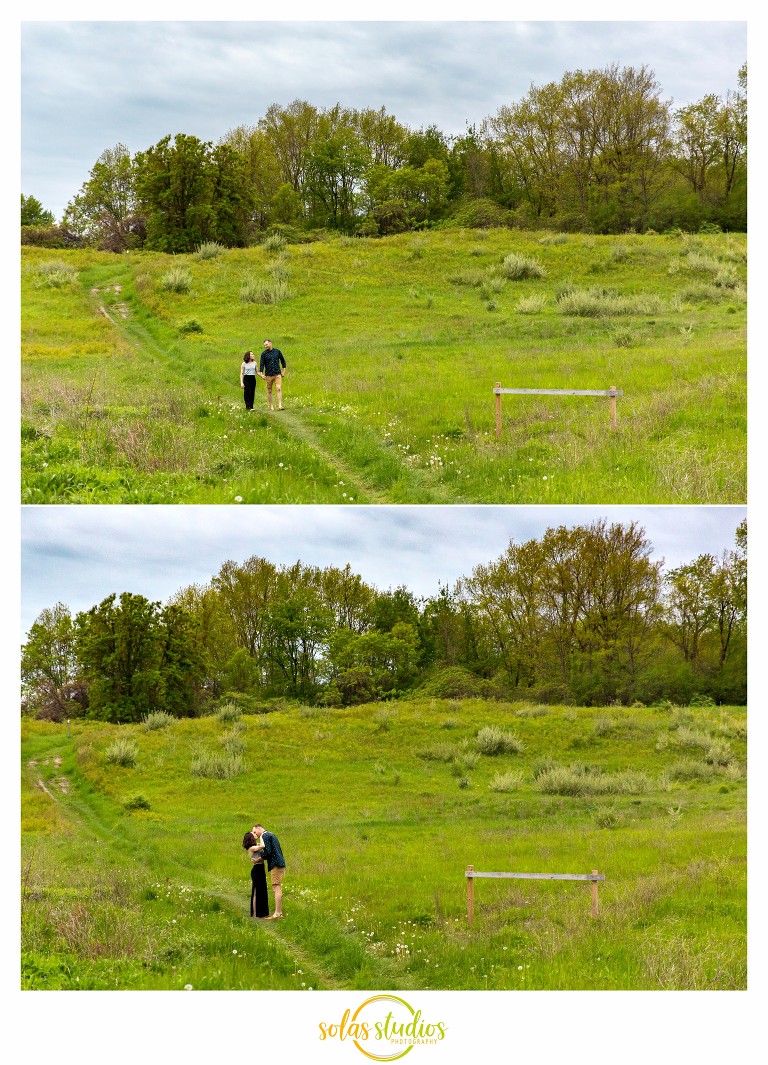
x: 249, y: 357
x: 249, y: 840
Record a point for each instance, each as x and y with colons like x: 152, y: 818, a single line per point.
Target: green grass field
x: 131, y: 391
x: 134, y: 877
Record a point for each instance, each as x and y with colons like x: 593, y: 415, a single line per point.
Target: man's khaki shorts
x: 271, y: 378
x: 276, y: 875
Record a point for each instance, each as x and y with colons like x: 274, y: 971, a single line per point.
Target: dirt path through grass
x: 294, y: 939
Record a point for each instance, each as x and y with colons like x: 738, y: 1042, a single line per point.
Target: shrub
x: 542, y: 765
x: 689, y: 737
x: 191, y: 326
x: 229, y: 713
x: 608, y: 818
x: 583, y: 780
x: 690, y: 770
x: 274, y: 242
x: 122, y: 752
x: 698, y: 699
x: 492, y: 740
x: 509, y: 781
x: 209, y: 250
x: 532, y: 711
x: 455, y: 682
x: 602, y: 726
x: 136, y: 802
x: 719, y: 753
x: 553, y: 238
x: 519, y: 267
x: 56, y: 274
x: 158, y: 719
x: 473, y: 278
x: 178, y: 279
x: 255, y: 290
x: 482, y: 214
x: 439, y: 752
x: 532, y: 305
x: 232, y: 743
x: 217, y: 766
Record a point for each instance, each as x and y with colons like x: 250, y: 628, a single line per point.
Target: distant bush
x: 232, y: 743
x: 439, y: 752
x: 608, y: 818
x: 456, y: 682
x: 472, y: 277
x: 191, y: 326
x: 599, y: 303
x: 229, y: 713
x: 210, y: 250
x: 122, y: 752
x: 519, y: 267
x: 553, y: 238
x: 56, y: 274
x: 509, y: 781
x: 532, y: 305
x: 719, y: 753
x: 50, y: 237
x: 217, y: 766
x: 178, y: 279
x: 256, y: 290
x: 688, y: 737
x: 136, y: 802
x: 274, y: 242
x: 492, y: 740
x: 533, y: 711
x: 701, y: 700
x: 482, y: 214
x: 585, y: 780
x: 158, y: 719
x: 690, y: 770
x: 602, y: 726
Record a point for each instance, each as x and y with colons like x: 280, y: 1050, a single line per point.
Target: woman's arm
x: 242, y: 368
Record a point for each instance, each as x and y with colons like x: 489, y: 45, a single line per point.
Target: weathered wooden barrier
x: 472, y: 874
x: 611, y: 392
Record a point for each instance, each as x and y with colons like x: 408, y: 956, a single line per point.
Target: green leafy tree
x: 33, y: 213
x: 138, y: 658
x: 49, y: 667
x: 105, y: 211
x: 192, y: 192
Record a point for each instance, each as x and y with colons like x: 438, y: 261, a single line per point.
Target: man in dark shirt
x: 273, y: 856
x: 272, y: 369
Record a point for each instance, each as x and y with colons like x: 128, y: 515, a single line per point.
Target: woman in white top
x: 248, y: 378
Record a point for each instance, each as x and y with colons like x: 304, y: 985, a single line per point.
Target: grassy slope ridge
x: 393, y: 347
x: 379, y: 812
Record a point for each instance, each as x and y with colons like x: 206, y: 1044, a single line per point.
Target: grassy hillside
x: 131, y: 391
x: 133, y: 875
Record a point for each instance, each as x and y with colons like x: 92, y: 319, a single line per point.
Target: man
x: 270, y: 365
x: 273, y: 856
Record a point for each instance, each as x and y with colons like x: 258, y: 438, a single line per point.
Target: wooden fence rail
x: 611, y: 392
x: 472, y: 874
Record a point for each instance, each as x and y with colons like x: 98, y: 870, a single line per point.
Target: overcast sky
x: 80, y: 555
x: 88, y: 85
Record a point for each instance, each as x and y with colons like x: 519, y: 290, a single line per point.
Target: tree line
x: 598, y: 151
x: 582, y: 615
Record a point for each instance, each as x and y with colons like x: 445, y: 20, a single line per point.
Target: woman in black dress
x: 259, y: 893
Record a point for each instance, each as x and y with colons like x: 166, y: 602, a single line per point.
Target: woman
x: 259, y: 894
x: 248, y: 378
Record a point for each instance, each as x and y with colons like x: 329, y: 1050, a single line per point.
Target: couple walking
x: 263, y: 846
x: 271, y: 369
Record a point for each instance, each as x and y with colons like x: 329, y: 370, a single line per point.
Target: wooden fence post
x: 613, y: 406
x: 498, y: 411
x: 470, y: 894
x: 594, y: 894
